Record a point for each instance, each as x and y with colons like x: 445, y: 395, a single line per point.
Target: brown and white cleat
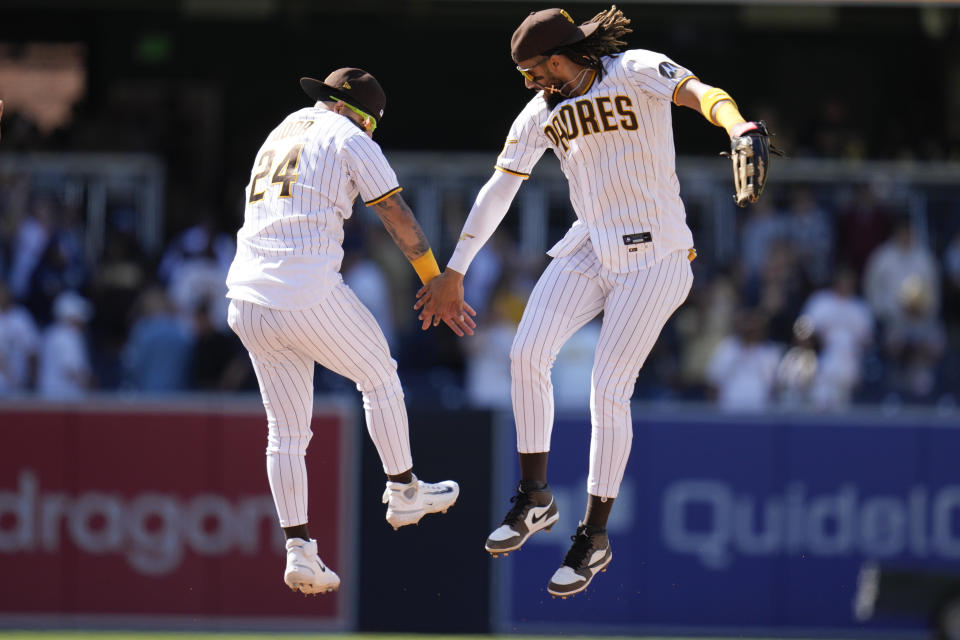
x: 532, y: 511
x: 589, y: 555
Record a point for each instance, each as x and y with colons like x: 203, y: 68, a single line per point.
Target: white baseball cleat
x: 306, y: 572
x: 407, y: 503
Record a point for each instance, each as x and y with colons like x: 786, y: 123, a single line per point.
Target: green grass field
x: 135, y: 635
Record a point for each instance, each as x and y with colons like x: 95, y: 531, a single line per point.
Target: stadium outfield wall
x: 743, y: 525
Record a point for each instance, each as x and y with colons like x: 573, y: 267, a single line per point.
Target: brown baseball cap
x: 354, y: 86
x: 544, y: 30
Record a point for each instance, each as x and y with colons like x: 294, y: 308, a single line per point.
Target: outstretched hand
x: 441, y: 299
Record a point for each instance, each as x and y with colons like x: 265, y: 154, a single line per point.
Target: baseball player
x: 607, y: 117
x: 291, y: 308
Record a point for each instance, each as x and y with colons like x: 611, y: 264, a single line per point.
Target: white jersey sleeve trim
x: 487, y: 213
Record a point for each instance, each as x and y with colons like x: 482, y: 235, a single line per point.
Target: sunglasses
x: 362, y: 114
x: 526, y: 71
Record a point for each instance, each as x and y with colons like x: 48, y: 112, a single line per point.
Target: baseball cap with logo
x: 354, y: 86
x: 545, y: 30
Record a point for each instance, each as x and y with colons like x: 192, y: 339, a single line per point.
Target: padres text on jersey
x: 615, y: 146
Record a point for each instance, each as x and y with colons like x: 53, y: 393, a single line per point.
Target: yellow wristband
x: 727, y: 114
x: 426, y: 266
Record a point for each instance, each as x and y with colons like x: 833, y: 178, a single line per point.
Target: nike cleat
x: 589, y: 555
x: 532, y: 511
x: 407, y: 503
x: 305, y: 571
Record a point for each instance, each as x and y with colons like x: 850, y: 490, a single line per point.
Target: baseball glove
x: 750, y: 155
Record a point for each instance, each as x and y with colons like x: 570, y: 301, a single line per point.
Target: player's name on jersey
x: 587, y: 116
x: 287, y: 129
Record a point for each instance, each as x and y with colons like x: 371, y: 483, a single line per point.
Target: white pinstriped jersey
x: 302, y: 187
x: 615, y: 146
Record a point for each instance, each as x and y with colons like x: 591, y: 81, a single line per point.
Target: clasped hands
x: 441, y: 299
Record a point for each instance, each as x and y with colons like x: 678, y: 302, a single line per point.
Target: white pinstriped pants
x: 573, y: 290
x: 340, y: 334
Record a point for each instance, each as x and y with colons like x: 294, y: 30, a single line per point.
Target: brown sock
x: 598, y: 510
x: 297, y: 531
x: 403, y: 478
x: 533, y: 469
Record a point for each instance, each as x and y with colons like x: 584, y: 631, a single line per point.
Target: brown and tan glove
x: 750, y: 155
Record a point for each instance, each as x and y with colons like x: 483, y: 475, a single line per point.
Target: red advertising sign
x: 145, y: 512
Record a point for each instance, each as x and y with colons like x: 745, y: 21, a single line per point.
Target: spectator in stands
x: 951, y: 284
x: 218, y: 361
x: 19, y: 342
x: 30, y: 241
x: 798, y: 367
x: 843, y: 323
x: 778, y: 291
x: 198, y: 276
x: 60, y: 266
x: 915, y: 340
x: 488, y: 362
x: 901, y: 259
x: 810, y: 233
x: 203, y: 238
x: 64, y: 370
x: 862, y: 226
x: 366, y: 278
x: 116, y: 284
x: 762, y: 228
x: 702, y: 323
x: 742, y: 370
x: 157, y: 353
x: 14, y: 194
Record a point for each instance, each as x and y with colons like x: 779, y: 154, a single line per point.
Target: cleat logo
x: 543, y: 513
x: 537, y: 518
x: 440, y: 491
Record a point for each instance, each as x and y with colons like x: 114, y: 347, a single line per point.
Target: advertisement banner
x: 752, y: 525
x: 162, y: 512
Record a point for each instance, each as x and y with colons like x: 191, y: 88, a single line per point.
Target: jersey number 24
x: 285, y: 173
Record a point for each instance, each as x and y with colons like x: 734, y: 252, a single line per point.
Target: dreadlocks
x: 602, y: 42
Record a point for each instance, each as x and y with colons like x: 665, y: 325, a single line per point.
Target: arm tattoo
x: 399, y: 222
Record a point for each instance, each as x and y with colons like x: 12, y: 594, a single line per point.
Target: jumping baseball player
x: 291, y: 308
x: 607, y: 117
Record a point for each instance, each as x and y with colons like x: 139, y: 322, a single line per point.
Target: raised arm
x: 443, y: 295
x: 714, y: 104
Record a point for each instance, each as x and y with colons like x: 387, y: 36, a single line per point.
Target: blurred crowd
x: 825, y: 305
x: 71, y: 323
